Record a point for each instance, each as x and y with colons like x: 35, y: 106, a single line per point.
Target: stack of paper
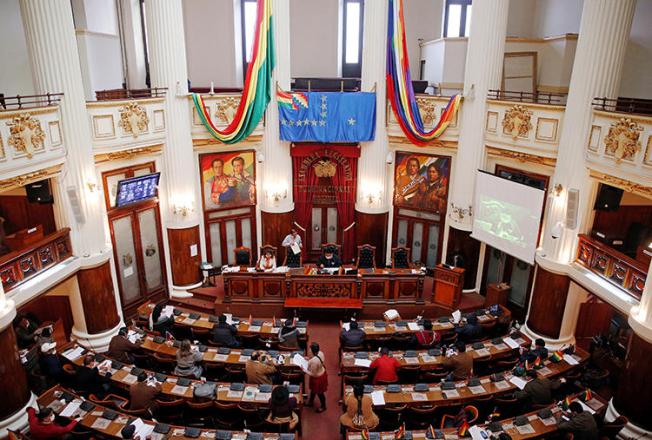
x: 70, y: 409
x: 520, y: 383
x: 362, y: 363
x: 142, y: 430
x: 512, y: 343
x: 300, y: 361
x: 73, y: 353
x: 413, y: 326
x: 570, y: 359
x: 457, y: 315
x: 378, y: 398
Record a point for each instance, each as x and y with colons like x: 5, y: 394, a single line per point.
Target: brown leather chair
x: 242, y: 256
x: 337, y: 248
x: 401, y: 258
x: 366, y: 257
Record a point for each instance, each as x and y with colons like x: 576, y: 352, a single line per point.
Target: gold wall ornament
x: 226, y: 108
x: 627, y: 185
x: 27, y: 136
x: 34, y: 176
x: 133, y: 119
x: 324, y: 168
x: 427, y: 109
x: 622, y: 141
x: 521, y: 157
x: 128, y: 154
x: 2, y: 148
x: 517, y: 121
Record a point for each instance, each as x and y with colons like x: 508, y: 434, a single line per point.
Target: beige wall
x: 637, y: 79
x: 423, y: 20
x: 16, y: 72
x: 314, y: 38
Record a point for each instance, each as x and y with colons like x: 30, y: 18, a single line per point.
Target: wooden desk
x: 541, y: 428
x: 112, y: 430
x: 435, y: 395
x: 426, y: 362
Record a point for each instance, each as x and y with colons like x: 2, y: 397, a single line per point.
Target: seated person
x: 359, y: 411
x: 329, y: 259
x: 267, y: 261
x: 121, y: 348
x: 142, y: 394
x: 50, y: 363
x: 288, y: 336
x: 260, y: 369
x: 460, y: 363
x: 281, y: 408
x: 539, y: 351
x: 581, y: 423
x: 469, y: 331
x: 44, y: 335
x: 25, y: 332
x: 188, y: 361
x: 43, y: 427
x: 128, y: 431
x: 353, y: 337
x: 539, y: 389
x: 159, y: 322
x: 225, y: 334
x: 88, y: 379
x: 426, y: 337
x: 385, y: 367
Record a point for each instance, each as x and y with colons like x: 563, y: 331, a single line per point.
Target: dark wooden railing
x: 29, y: 101
x: 611, y: 265
x: 326, y: 84
x: 108, y: 95
x: 19, y: 266
x: 535, y: 98
x: 624, y: 105
x: 216, y: 90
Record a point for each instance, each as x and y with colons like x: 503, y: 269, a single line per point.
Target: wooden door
x: 228, y: 229
x: 420, y: 232
x: 594, y: 319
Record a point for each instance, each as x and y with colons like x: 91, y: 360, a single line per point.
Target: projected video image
x: 502, y: 220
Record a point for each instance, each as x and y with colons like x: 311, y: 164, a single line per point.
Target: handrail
x: 29, y: 101
x: 623, y: 105
x: 307, y: 84
x: 116, y: 94
x: 531, y: 97
x: 612, y: 265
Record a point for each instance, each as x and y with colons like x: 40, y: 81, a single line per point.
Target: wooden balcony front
x: 20, y: 265
x: 611, y: 265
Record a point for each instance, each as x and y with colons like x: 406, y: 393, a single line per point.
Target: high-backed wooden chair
x: 337, y: 248
x: 268, y: 248
x: 366, y: 257
x: 292, y: 259
x: 242, y: 256
x: 400, y: 258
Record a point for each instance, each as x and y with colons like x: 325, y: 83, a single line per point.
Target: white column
x: 374, y: 188
x: 275, y: 194
x: 167, y: 54
x: 640, y: 317
x: 53, y: 53
x: 483, y: 71
x: 597, y: 69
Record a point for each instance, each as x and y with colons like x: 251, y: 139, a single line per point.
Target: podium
x: 497, y: 294
x: 447, y: 286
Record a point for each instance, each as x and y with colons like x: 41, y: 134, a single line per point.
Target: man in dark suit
x: 88, y: 378
x: 539, y: 389
x: 329, y: 259
x: 49, y: 362
x: 120, y: 347
x: 142, y: 394
x: 353, y: 337
x: 539, y: 351
x: 224, y: 333
x: 470, y: 331
x: 581, y: 423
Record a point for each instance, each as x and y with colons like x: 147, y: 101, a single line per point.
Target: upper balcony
x: 619, y: 147
x: 525, y: 123
x: 31, y: 139
x: 123, y: 121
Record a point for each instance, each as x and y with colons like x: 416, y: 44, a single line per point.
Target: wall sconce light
x: 183, y: 210
x: 92, y: 186
x: 558, y: 189
x: 276, y: 192
x: 461, y: 212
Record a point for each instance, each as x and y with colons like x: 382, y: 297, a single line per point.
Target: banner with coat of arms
x: 327, y: 116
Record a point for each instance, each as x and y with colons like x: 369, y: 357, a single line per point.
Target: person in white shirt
x: 292, y: 238
x: 267, y: 261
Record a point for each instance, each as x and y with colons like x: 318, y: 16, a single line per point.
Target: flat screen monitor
x: 137, y: 189
x: 507, y: 215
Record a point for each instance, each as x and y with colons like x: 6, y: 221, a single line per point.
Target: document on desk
x: 362, y: 363
x: 101, y: 424
x: 73, y: 353
x: 482, y: 352
x: 512, y: 343
x: 501, y: 385
x: 476, y: 433
x: 520, y: 383
x: 129, y: 379
x: 457, y: 315
x: 179, y: 390
x: 419, y: 397
x: 70, y: 409
x: 545, y: 371
x: 570, y: 359
x: 479, y: 389
x: 525, y: 429
x: 142, y: 430
x: 413, y: 326
x: 378, y: 397
x: 451, y: 394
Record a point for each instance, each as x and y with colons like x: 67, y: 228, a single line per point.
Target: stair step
x: 205, y: 293
x: 196, y: 304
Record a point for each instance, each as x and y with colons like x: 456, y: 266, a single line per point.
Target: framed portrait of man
x: 228, y: 179
x: 421, y: 181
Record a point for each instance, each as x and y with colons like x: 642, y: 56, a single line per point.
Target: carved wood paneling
x: 185, y: 268
x: 98, y: 298
x: 548, y: 302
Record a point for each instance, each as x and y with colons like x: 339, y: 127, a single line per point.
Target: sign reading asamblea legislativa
x: 327, y: 116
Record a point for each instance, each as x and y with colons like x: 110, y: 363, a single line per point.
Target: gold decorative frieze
x: 27, y: 136
x: 133, y: 119
x: 517, y: 121
x: 2, y: 148
x: 427, y: 108
x: 627, y: 185
x: 24, y: 179
x: 622, y: 140
x: 226, y: 108
x: 128, y: 154
x: 521, y: 157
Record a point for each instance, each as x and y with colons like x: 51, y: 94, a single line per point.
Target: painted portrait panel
x: 228, y: 179
x: 421, y: 181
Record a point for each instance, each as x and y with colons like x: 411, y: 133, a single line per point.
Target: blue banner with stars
x: 328, y: 117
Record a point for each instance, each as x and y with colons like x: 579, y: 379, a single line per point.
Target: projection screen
x: 507, y: 215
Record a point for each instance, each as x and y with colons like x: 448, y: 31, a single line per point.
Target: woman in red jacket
x: 42, y: 426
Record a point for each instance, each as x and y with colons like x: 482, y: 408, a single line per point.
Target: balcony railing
x: 624, y: 105
x: 535, y: 98
x: 19, y: 102
x: 326, y: 84
x: 611, y: 265
x: 108, y: 95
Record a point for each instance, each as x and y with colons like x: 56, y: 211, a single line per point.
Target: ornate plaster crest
x: 2, y: 148
x: 226, y: 108
x: 325, y: 168
x: 517, y: 121
x: 427, y: 108
x: 133, y: 119
x: 622, y: 141
x: 27, y: 136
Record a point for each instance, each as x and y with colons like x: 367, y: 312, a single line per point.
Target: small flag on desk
x: 565, y: 403
x: 537, y: 363
x: 399, y: 434
x: 274, y: 321
x: 431, y: 432
x: 463, y: 429
x: 557, y: 356
x: 250, y: 319
x: 586, y: 395
x: 365, y: 434
x: 494, y: 414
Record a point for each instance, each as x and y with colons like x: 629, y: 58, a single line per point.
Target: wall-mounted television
x: 137, y: 189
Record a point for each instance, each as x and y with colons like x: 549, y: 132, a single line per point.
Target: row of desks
x: 93, y: 421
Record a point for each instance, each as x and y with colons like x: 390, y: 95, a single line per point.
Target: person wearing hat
x: 50, y: 363
x: 329, y: 259
x: 121, y: 348
x: 581, y: 423
x: 42, y: 426
x: 224, y: 333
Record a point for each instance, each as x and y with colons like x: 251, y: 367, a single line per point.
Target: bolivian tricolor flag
x: 557, y: 356
x: 463, y: 429
x: 565, y: 403
x: 399, y: 434
x: 537, y: 363
x: 365, y: 434
x: 586, y: 395
x: 257, y: 88
x: 494, y: 414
